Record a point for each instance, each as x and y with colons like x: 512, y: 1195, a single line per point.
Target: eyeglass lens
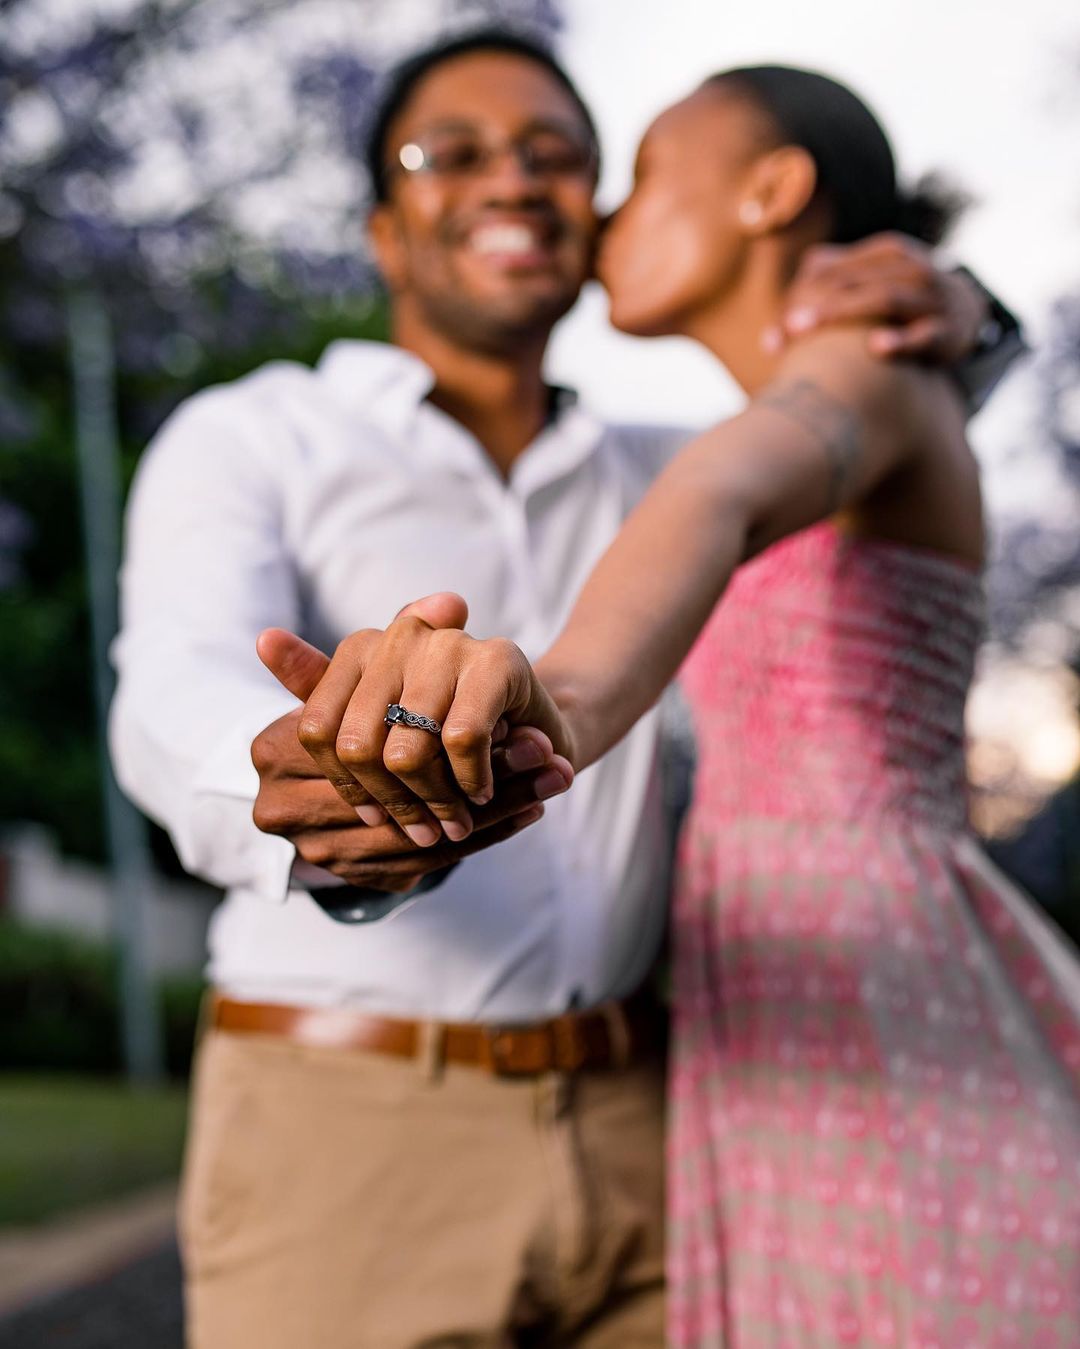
x: 544, y: 153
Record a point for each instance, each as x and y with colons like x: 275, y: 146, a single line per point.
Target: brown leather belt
x: 613, y: 1035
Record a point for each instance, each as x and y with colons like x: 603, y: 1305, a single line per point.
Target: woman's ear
x: 384, y: 239
x: 780, y: 187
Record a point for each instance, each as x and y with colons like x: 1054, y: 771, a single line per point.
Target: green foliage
x: 180, y: 999
x: 48, y: 741
x: 60, y: 1005
x: 70, y: 1142
x: 58, y: 1001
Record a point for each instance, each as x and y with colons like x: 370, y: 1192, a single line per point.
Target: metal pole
x: 94, y: 380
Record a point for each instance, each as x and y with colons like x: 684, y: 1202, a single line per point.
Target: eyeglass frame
x: 518, y: 145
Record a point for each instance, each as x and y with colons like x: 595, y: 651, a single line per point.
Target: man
x: 445, y: 1127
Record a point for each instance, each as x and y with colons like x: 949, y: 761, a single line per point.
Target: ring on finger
x: 396, y: 715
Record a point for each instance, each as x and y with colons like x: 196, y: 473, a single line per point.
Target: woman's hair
x: 855, y: 165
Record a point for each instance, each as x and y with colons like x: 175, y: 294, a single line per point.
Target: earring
x: 750, y: 213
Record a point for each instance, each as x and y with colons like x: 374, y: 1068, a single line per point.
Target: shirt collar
x: 382, y: 383
x: 571, y: 437
x: 388, y: 386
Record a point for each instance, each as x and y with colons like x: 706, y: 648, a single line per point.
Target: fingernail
x: 372, y: 815
x: 772, y: 340
x: 799, y: 320
x: 525, y: 754
x: 482, y: 798
x: 455, y: 831
x: 884, y: 342
x: 423, y: 835
x: 530, y: 816
x: 549, y: 784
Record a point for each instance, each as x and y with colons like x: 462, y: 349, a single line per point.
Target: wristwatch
x: 1000, y: 342
x: 362, y: 904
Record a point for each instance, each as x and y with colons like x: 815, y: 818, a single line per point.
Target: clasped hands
x: 502, y: 747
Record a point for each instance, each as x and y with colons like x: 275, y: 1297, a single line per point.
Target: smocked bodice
x: 830, y: 683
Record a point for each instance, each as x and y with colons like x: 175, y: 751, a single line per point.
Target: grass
x: 69, y: 1142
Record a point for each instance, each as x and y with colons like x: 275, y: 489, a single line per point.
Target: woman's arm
x: 827, y: 430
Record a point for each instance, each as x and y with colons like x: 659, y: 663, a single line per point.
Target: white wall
x: 45, y: 889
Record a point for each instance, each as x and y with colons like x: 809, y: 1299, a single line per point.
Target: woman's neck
x: 734, y: 328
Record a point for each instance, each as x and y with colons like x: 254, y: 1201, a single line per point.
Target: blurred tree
x: 1034, y: 582
x: 1034, y: 592
x: 1034, y: 588
x: 194, y: 161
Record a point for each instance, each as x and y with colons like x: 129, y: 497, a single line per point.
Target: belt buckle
x: 500, y: 1051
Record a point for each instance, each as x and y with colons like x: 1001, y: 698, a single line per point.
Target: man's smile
x: 513, y: 244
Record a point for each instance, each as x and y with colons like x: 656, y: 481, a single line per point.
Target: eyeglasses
x: 542, y: 153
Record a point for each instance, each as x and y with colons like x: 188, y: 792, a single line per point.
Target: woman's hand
x: 496, y: 718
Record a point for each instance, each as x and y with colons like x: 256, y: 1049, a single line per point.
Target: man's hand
x: 299, y: 666
x: 296, y: 802
x: 404, y: 772
x: 892, y: 281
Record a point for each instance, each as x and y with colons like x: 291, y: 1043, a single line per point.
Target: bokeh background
x: 180, y: 201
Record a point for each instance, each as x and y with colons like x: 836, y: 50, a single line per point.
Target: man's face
x: 489, y: 238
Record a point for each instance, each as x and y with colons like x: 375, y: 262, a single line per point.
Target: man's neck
x: 502, y: 400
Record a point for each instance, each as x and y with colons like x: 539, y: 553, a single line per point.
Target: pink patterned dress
x: 876, y: 1082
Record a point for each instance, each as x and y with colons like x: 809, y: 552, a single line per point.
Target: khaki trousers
x: 334, y: 1199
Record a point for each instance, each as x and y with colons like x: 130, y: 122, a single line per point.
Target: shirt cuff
x: 225, y: 843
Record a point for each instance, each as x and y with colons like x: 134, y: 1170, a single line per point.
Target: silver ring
x: 396, y: 715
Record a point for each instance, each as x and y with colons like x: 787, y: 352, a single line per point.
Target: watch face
x: 989, y: 335
x: 361, y: 904
x: 347, y: 904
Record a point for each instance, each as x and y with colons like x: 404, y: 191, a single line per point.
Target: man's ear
x: 782, y: 185
x: 384, y: 237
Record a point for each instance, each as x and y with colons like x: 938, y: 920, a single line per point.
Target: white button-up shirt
x: 322, y: 501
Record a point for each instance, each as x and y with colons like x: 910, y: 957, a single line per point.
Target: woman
x: 877, y: 1042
